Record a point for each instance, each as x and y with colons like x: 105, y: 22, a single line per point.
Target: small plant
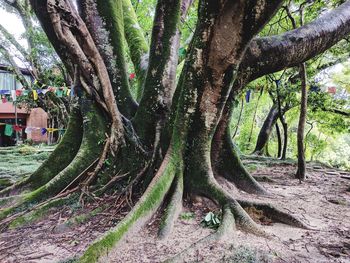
x: 211, y: 220
x: 107, y: 163
x: 187, y: 215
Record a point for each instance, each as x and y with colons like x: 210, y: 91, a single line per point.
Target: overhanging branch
x: 271, y: 54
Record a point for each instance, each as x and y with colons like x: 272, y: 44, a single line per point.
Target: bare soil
x: 322, y: 201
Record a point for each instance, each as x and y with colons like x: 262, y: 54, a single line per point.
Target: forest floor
x: 322, y: 202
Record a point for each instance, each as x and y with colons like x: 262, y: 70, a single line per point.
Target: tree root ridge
x: 173, y: 208
x: 275, y: 213
x: 235, y: 172
x: 149, y: 202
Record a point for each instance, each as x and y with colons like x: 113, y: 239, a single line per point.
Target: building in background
x: 36, y: 117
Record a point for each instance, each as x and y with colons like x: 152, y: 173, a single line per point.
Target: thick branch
x: 40, y: 9
x: 104, y: 20
x: 270, y: 54
x: 160, y: 79
x: 137, y: 43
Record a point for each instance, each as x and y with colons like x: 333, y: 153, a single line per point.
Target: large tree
x: 178, y: 134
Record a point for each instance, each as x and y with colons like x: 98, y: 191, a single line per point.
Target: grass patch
x: 243, y: 254
x: 19, y: 161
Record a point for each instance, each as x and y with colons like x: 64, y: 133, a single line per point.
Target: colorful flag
x: 35, y: 95
x: 8, y: 130
x: 43, y: 131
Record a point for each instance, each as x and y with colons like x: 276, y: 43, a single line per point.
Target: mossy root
x: 275, y: 213
x: 141, y: 212
x: 173, y: 209
x: 232, y: 168
x: 41, y: 211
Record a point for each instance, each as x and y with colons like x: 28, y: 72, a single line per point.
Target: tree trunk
x: 279, y: 140
x: 266, y: 130
x: 193, y: 116
x: 300, y: 174
x: 285, y: 137
x: 239, y: 119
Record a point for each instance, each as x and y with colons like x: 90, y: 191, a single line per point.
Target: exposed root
x: 110, y: 184
x: 215, y: 192
x: 79, y: 177
x: 41, y: 210
x: 35, y: 212
x: 235, y: 172
x: 126, y: 194
x: 227, y: 163
x: 173, y: 209
x: 142, y: 211
x: 226, y: 231
x: 92, y: 176
x: 274, y: 213
x: 264, y: 179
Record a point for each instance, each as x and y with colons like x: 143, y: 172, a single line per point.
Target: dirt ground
x: 322, y: 202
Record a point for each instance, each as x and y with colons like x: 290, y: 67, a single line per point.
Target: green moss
x: 138, y: 45
x: 112, y: 14
x: 39, y: 213
x: 154, y: 103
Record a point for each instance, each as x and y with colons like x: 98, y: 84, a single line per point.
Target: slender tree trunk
x: 285, y: 137
x: 279, y: 140
x: 266, y: 130
x: 254, y: 118
x: 301, y: 171
x: 300, y: 174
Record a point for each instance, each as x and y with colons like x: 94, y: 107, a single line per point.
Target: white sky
x: 14, y: 25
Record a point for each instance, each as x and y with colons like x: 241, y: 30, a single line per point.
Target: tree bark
x: 266, y: 130
x: 104, y: 19
x: 300, y: 174
x: 160, y: 81
x: 200, y: 145
x: 279, y: 140
x: 285, y: 137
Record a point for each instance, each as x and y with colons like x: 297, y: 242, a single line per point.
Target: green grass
x: 20, y: 161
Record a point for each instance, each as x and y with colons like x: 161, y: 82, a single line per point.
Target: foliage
x: 211, y: 220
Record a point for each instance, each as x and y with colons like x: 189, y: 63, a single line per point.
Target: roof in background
x: 4, y: 67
